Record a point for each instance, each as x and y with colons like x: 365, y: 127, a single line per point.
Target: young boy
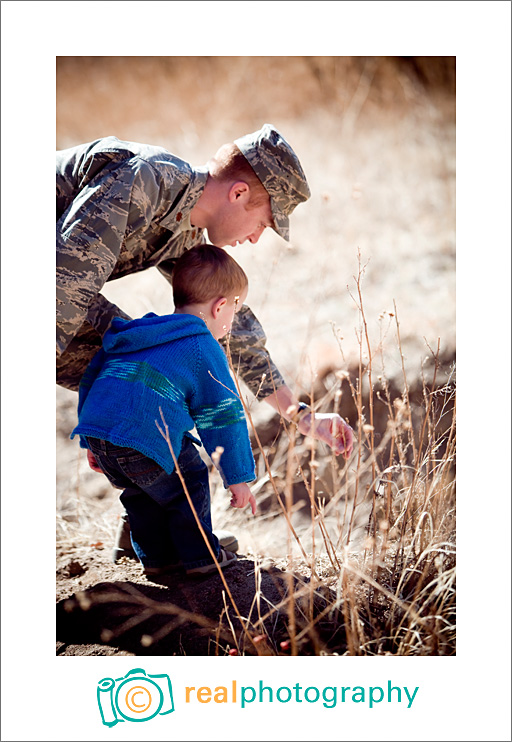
x: 171, y: 368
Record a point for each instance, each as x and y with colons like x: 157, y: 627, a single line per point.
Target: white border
x: 462, y: 698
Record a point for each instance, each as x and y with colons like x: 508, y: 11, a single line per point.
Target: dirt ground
x: 107, y: 609
x: 376, y: 137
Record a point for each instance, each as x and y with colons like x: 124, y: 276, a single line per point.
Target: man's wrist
x: 303, y: 410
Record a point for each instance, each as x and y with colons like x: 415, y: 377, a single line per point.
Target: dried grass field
x: 353, y: 558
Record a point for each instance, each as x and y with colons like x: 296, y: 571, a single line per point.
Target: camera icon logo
x: 134, y: 697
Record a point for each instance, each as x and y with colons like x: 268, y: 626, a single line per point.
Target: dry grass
x: 391, y: 591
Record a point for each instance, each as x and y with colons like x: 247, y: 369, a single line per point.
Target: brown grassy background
x: 376, y: 136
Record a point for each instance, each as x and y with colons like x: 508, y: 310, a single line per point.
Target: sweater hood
x: 126, y: 336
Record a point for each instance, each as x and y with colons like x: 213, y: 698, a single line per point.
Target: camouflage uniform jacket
x: 123, y: 207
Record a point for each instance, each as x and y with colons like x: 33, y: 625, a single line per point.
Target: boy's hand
x: 331, y: 429
x: 241, y: 496
x: 92, y: 462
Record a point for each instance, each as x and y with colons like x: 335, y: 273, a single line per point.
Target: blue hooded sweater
x: 170, y: 363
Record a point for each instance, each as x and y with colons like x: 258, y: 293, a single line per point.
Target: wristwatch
x: 302, y: 410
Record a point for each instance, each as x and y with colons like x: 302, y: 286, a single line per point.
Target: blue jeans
x: 163, y: 528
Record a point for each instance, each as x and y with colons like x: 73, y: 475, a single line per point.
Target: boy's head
x: 209, y: 283
x: 206, y: 272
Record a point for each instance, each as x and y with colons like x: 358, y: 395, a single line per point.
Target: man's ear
x: 239, y: 191
x: 218, y: 305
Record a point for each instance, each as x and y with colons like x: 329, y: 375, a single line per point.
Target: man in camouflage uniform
x: 123, y: 207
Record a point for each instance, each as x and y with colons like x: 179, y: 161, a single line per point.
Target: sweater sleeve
x: 220, y: 421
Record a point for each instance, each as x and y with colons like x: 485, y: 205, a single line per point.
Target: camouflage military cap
x: 278, y: 167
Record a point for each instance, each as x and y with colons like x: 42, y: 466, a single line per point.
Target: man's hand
x: 92, y: 462
x: 331, y: 429
x: 327, y: 427
x: 241, y: 496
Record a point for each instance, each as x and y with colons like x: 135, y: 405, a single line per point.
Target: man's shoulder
x: 157, y: 156
x: 161, y: 159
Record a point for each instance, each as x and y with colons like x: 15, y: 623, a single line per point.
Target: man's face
x: 234, y: 223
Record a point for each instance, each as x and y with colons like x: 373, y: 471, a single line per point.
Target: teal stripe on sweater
x: 228, y: 412
x: 135, y: 371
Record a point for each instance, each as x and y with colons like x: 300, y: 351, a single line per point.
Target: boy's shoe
x: 224, y: 559
x: 123, y: 544
x: 227, y: 540
x: 166, y: 570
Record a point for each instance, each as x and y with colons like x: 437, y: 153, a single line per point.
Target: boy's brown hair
x: 230, y: 164
x: 206, y: 272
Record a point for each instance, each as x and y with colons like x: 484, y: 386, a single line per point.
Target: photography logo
x: 134, y: 697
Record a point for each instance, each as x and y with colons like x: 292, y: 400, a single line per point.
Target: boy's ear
x: 239, y: 191
x: 218, y: 305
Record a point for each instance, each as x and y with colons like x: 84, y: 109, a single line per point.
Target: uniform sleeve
x: 220, y: 421
x: 101, y: 312
x: 249, y: 356
x: 90, y: 233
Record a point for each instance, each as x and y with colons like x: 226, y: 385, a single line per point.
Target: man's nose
x: 254, y: 237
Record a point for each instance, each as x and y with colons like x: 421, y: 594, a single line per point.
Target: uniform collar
x: 178, y: 219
